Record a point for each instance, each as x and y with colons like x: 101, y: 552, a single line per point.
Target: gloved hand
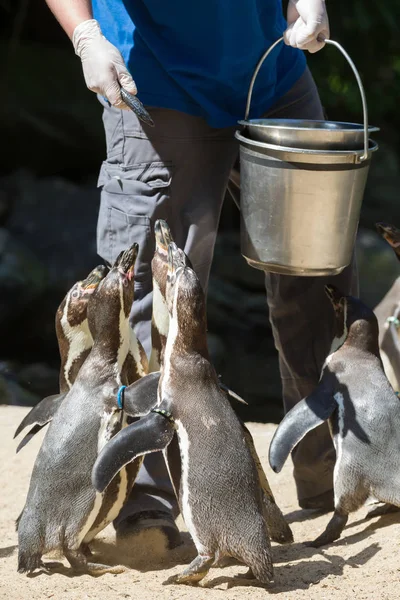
x: 306, y: 20
x: 104, y: 68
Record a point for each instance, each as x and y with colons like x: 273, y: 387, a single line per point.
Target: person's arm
x: 307, y: 20
x: 70, y: 13
x: 104, y: 68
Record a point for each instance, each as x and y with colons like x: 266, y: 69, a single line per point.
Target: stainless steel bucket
x: 300, y: 207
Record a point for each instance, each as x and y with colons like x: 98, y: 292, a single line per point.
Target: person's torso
x: 199, y: 56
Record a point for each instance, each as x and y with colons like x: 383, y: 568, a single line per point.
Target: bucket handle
x: 356, y: 74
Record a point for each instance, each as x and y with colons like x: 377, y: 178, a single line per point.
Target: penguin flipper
x: 302, y: 418
x: 150, y: 434
x: 231, y: 393
x: 41, y: 414
x: 141, y: 396
x: 391, y: 345
x: 27, y: 438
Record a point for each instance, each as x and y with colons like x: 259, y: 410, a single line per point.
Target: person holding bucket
x: 191, y: 64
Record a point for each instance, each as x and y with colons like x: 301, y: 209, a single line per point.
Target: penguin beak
x: 172, y: 252
x: 163, y: 235
x: 391, y: 234
x: 117, y: 260
x: 94, y: 278
x: 335, y: 296
x: 128, y: 260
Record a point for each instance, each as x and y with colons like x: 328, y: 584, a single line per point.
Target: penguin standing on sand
x: 63, y: 511
x: 143, y: 393
x: 363, y: 412
x: 219, y: 494
x: 74, y: 343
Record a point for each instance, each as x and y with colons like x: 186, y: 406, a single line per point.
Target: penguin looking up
x: 363, y: 411
x: 142, y: 395
x: 74, y: 343
x: 63, y: 511
x: 72, y: 329
x: 160, y: 316
x: 220, y: 496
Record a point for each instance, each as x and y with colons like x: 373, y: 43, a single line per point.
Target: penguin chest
x: 108, y: 504
x: 186, y: 494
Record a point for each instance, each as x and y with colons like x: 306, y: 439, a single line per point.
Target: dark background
x: 52, y: 144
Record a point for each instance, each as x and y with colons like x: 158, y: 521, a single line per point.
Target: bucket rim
x: 291, y: 124
x: 373, y: 146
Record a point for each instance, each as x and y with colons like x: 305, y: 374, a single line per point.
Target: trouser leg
x: 302, y: 323
x: 177, y: 171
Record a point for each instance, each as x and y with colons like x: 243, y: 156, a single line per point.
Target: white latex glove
x: 307, y: 19
x: 104, y: 68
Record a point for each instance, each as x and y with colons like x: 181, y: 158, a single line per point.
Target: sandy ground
x: 365, y: 563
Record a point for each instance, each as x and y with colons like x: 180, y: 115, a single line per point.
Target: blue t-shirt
x: 198, y: 56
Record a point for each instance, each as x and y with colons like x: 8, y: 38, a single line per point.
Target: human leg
x: 302, y: 324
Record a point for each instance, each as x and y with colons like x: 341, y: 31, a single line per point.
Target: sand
x: 364, y: 563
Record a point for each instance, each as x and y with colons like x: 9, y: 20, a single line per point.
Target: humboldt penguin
x: 219, y: 492
x: 63, y: 511
x: 144, y: 393
x: 74, y: 344
x: 363, y: 412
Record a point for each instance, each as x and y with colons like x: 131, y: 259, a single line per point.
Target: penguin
x: 74, y: 343
x: 73, y: 335
x: 145, y: 392
x: 63, y: 511
x: 387, y: 312
x: 219, y: 492
x: 160, y: 315
x: 363, y: 413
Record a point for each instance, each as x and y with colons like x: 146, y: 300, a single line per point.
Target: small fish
x: 134, y: 104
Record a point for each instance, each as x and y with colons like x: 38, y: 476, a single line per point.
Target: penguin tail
x: 30, y: 543
x: 17, y: 520
x: 302, y: 418
x: 27, y: 562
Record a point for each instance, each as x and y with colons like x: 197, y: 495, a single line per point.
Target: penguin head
x: 184, y: 295
x: 74, y: 305
x: 114, y: 295
x: 163, y: 237
x: 355, y: 322
x: 159, y: 264
x: 391, y: 234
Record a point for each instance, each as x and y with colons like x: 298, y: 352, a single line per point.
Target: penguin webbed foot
x: 332, y: 532
x: 380, y: 510
x: 80, y: 564
x: 195, y: 572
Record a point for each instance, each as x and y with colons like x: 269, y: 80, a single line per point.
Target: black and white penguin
x: 63, y: 511
x: 363, y: 412
x: 145, y: 393
x: 73, y: 335
x: 74, y: 344
x: 160, y: 315
x: 219, y: 491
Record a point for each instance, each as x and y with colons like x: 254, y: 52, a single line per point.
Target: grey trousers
x: 179, y: 171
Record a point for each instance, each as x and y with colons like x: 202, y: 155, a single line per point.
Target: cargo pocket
x: 132, y: 199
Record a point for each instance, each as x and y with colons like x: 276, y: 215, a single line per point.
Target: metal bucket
x: 300, y: 207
